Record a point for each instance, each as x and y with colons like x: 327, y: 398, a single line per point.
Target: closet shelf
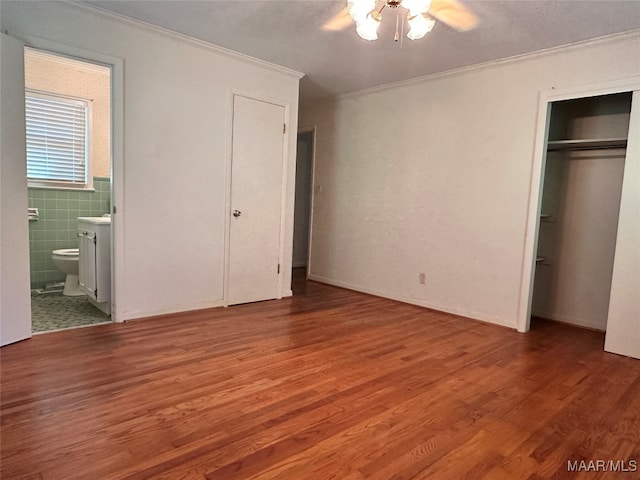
x: 589, y: 144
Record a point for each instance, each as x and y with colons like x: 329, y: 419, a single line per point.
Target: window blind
x: 56, y: 139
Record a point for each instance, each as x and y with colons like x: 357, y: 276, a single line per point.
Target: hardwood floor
x: 328, y: 384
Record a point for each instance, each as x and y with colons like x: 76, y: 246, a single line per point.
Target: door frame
x: 228, y: 178
x: 312, y: 130
x: 116, y: 65
x: 545, y: 99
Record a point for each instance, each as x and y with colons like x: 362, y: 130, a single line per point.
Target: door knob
x: 237, y: 213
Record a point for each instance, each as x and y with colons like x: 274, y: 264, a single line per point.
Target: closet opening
x: 303, y: 209
x: 581, y: 191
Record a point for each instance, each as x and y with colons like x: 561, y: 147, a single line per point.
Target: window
x: 57, y: 145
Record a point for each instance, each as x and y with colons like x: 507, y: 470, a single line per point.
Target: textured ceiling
x: 289, y: 33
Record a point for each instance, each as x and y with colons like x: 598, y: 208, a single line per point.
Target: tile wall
x: 57, y: 225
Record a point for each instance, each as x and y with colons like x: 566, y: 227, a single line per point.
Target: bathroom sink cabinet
x: 94, y: 275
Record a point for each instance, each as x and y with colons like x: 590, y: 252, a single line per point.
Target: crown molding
x: 608, y: 39
x: 185, y: 38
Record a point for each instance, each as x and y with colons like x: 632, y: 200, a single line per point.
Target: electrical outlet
x: 422, y: 278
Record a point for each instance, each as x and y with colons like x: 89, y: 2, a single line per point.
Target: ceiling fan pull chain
x: 397, y: 35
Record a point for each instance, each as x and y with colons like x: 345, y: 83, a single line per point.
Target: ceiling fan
x: 421, y: 16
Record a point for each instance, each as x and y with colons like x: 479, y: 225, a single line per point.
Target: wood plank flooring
x: 329, y: 384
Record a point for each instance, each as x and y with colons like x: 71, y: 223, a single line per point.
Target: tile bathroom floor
x: 53, y: 311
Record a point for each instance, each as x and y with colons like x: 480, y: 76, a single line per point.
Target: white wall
x: 177, y: 104
x: 433, y: 176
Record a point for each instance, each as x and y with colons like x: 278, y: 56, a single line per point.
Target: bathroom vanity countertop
x: 96, y: 220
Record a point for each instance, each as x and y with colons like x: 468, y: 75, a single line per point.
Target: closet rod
x: 591, y: 144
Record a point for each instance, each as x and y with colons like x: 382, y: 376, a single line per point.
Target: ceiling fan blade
x: 453, y: 14
x: 339, y: 21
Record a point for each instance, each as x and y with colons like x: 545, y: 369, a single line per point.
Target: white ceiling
x: 289, y: 33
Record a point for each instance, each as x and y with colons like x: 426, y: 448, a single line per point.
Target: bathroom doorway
x: 69, y: 164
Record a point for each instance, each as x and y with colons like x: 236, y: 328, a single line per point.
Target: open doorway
x: 303, y: 209
x: 69, y: 165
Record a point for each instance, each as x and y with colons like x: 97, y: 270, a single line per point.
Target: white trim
x: 414, y: 301
x: 615, y: 38
x: 532, y: 220
x: 185, y: 308
x: 537, y: 172
x: 312, y: 183
x: 283, y: 197
x: 66, y: 189
x: 185, y: 38
x: 118, y: 260
x: 227, y: 198
x: 116, y: 65
x: 229, y: 178
x: 593, y: 90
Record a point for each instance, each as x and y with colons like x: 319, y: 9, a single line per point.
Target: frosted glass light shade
x: 420, y: 25
x: 368, y: 29
x: 359, y: 9
x: 416, y: 7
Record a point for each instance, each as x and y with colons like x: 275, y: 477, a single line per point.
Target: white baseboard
x: 413, y: 301
x: 136, y: 315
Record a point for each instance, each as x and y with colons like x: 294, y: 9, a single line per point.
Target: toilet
x: 66, y: 260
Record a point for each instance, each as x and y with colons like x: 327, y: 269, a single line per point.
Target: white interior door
x: 256, y: 200
x: 15, y: 303
x: 623, y: 322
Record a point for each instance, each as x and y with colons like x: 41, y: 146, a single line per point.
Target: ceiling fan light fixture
x: 416, y: 7
x: 368, y: 28
x: 420, y: 24
x: 359, y: 9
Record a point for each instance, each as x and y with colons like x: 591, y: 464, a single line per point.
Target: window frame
x: 57, y: 183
